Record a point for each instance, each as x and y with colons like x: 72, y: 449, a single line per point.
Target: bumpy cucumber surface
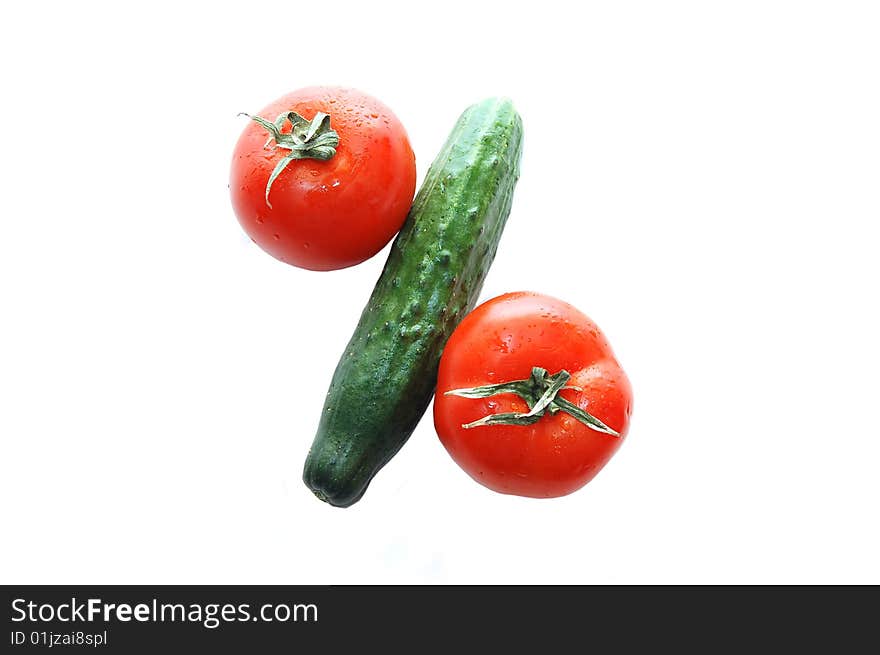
x: 435, y: 270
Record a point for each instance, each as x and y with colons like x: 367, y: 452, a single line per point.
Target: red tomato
x: 325, y: 215
x: 502, y: 340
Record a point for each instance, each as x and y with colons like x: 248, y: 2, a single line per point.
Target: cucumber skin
x: 431, y: 280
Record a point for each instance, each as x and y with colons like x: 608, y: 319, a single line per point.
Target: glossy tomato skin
x: 326, y: 215
x: 500, y: 341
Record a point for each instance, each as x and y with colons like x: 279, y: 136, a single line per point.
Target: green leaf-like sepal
x: 540, y: 392
x: 307, y: 139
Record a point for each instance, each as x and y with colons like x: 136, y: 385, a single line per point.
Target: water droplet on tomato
x: 307, y: 245
x: 260, y: 220
x: 276, y: 236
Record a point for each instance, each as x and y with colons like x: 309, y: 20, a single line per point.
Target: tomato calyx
x: 307, y: 139
x: 540, y: 392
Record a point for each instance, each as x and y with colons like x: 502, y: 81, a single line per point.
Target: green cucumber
x: 435, y: 270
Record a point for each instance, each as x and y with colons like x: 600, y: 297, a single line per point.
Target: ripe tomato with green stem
x: 530, y: 398
x: 323, y: 177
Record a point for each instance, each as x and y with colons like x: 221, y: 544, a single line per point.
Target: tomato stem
x: 541, y: 393
x: 313, y: 139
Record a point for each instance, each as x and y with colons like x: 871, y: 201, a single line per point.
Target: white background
x: 699, y: 178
